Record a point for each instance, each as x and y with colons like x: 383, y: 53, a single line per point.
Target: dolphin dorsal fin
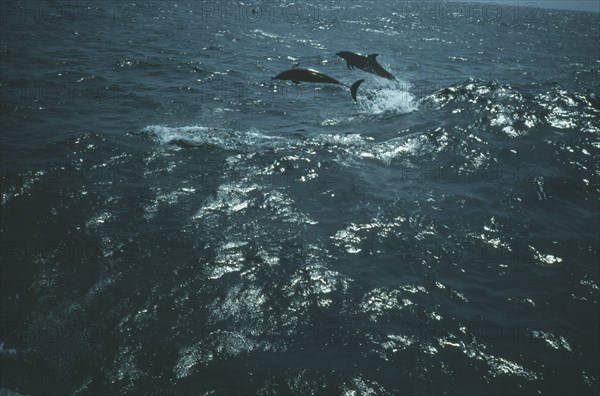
x: 373, y: 56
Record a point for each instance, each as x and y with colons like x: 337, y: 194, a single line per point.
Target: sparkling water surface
x: 175, y: 222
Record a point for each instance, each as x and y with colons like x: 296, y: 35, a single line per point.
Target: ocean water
x: 175, y: 222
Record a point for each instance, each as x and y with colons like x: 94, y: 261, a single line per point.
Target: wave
x: 354, y: 146
x: 223, y: 138
x: 388, y: 97
x: 516, y: 109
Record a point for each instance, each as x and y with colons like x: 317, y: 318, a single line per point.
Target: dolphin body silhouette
x: 297, y: 74
x: 367, y: 63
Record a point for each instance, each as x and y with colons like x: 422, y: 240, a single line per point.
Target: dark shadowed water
x: 175, y: 222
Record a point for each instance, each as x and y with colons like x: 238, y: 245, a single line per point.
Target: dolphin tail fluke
x: 354, y: 89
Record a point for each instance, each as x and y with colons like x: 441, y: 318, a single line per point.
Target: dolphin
x: 297, y: 74
x: 367, y: 63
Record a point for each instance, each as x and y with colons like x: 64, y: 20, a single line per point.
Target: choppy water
x: 175, y: 222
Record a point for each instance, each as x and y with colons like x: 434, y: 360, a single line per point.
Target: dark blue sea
x: 175, y: 222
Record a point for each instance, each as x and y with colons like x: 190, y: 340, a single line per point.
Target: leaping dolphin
x: 297, y: 74
x: 367, y: 63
